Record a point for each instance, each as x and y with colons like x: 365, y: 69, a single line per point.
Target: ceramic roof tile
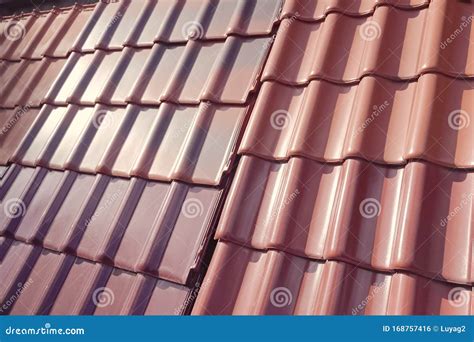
x: 172, y: 142
x: 178, y: 73
x: 376, y: 216
x: 316, y: 10
x: 394, y: 43
x: 45, y: 33
x: 30, y: 81
x: 389, y: 122
x: 139, y: 23
x: 15, y: 124
x: 294, y: 285
x: 103, y: 290
x: 141, y: 226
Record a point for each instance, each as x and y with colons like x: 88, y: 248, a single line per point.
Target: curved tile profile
x: 222, y: 72
x: 393, y: 43
x: 38, y: 281
x: 416, y: 218
x: 377, y: 119
x: 142, y: 23
x: 316, y: 10
x: 293, y: 285
x: 194, y: 144
x: 141, y: 226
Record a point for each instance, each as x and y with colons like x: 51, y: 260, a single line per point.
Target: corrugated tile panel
x: 417, y: 218
x: 49, y: 33
x: 223, y: 72
x: 292, y: 285
x: 37, y: 281
x: 394, y: 43
x: 377, y: 119
x: 173, y: 142
x: 27, y: 82
x: 142, y: 23
x: 14, y: 124
x: 141, y: 226
x: 316, y: 10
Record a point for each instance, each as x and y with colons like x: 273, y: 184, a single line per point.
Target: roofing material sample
x: 138, y: 225
x: 172, y: 142
x: 294, y: 285
x: 38, y: 281
x: 394, y: 43
x: 142, y: 23
x: 375, y: 216
x: 46, y: 33
x: 376, y: 119
x: 28, y: 81
x: 15, y: 123
x: 181, y: 74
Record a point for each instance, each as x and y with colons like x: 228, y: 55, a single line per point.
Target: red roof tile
x: 137, y: 75
x: 138, y: 225
x: 49, y: 285
x: 172, y: 142
x: 376, y: 119
x: 294, y: 285
x: 394, y: 43
x: 379, y: 217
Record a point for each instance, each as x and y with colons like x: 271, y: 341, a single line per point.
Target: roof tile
x: 138, y: 225
x: 294, y: 285
x: 390, y: 122
x: 397, y: 44
x: 172, y: 142
x: 379, y: 217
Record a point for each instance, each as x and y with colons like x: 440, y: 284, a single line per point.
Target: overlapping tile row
x: 246, y: 281
x: 27, y: 82
x: 38, y: 281
x: 394, y: 43
x: 43, y: 33
x: 14, y: 124
x: 142, y: 226
x: 316, y: 10
x: 377, y: 119
x: 417, y: 218
x: 114, y: 25
x: 222, y: 72
x: 194, y: 144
